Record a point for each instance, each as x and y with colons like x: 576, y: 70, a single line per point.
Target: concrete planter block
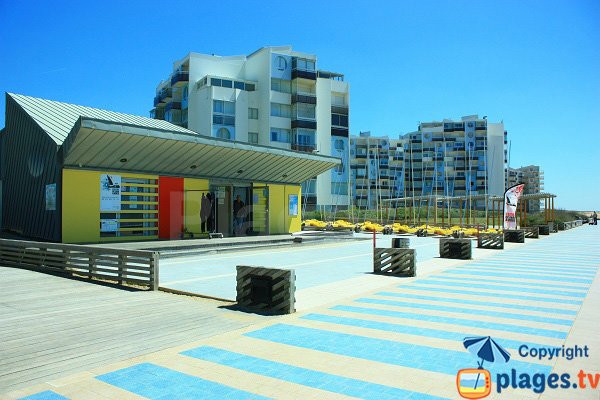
x: 400, y: 243
x: 543, y: 229
x: 266, y: 289
x: 514, y: 236
x: 490, y: 241
x: 532, y: 232
x: 455, y: 248
x: 395, y: 262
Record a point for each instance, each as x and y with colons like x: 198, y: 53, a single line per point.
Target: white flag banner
x: 511, y: 198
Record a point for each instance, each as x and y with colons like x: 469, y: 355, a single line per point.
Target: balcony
x: 343, y: 132
x: 163, y: 96
x: 174, y: 105
x: 306, y: 124
x: 306, y: 148
x: 180, y: 78
x: 298, y: 73
x: 306, y: 98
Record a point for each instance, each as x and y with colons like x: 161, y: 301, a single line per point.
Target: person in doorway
x: 204, y: 212
x: 211, y: 212
x: 238, y: 214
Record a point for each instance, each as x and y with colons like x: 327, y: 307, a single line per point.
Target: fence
x: 123, y: 266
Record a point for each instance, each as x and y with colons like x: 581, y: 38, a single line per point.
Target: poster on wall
x: 51, y: 197
x: 293, y: 205
x: 110, y: 192
x: 109, y: 225
x: 511, y: 198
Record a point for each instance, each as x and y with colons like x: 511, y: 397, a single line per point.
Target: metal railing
x: 134, y: 267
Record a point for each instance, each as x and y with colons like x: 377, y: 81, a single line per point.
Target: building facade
x: 275, y: 97
x: 533, y: 178
x: 376, y: 169
x: 447, y: 158
x: 84, y: 175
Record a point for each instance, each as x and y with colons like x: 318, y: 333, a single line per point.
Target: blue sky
x: 533, y: 64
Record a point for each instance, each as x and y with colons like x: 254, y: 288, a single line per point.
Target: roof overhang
x: 99, y: 144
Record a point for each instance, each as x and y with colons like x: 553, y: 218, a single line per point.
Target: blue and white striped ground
x: 403, y: 342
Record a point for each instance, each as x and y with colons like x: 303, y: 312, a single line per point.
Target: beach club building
x: 77, y: 174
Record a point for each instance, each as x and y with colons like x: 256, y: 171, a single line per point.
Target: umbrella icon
x: 487, y: 349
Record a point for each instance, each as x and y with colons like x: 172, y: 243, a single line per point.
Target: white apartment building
x: 274, y: 97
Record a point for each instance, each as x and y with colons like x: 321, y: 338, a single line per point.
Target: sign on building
x: 110, y: 192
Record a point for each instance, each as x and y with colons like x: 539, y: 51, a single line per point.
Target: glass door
x: 260, y: 210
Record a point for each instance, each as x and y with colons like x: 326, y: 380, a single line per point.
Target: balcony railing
x: 174, y: 105
x: 339, y: 110
x: 298, y: 73
x: 307, y: 148
x: 180, y: 77
x: 301, y: 123
x: 304, y: 98
x: 339, y: 132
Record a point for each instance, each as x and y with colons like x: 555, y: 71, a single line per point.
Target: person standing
x: 204, y: 212
x: 595, y: 218
x: 238, y: 214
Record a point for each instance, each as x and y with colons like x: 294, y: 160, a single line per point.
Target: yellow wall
x: 81, y: 206
x: 192, y: 199
x: 279, y: 219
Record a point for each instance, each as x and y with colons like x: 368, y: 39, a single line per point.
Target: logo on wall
x: 110, y: 192
x: 511, y: 198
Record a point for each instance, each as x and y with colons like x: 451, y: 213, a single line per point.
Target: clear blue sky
x: 533, y: 64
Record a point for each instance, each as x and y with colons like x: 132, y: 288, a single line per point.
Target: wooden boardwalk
x: 51, y: 327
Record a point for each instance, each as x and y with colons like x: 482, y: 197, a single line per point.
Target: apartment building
x: 275, y: 97
x: 533, y: 178
x: 376, y: 169
x: 446, y: 158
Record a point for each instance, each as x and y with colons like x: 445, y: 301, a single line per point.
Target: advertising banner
x: 110, y: 192
x: 293, y: 205
x: 511, y: 198
x: 51, y: 197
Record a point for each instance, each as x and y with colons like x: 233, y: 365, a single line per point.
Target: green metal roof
x: 97, y: 139
x: 58, y: 118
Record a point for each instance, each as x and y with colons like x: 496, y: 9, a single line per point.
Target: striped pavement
x: 401, y: 342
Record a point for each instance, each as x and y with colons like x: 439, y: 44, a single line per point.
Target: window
x: 238, y: 85
x: 339, y: 120
x: 303, y: 64
x: 281, y: 85
x: 224, y: 133
x: 281, y: 110
x: 185, y: 93
x: 304, y: 111
x: 339, y: 144
x: 338, y: 100
x: 280, y: 135
x: 339, y: 188
x: 281, y: 63
x: 215, y: 82
x: 253, y: 113
x: 250, y: 87
x: 223, y: 112
x: 224, y: 107
x: 253, y: 137
x: 304, y: 137
x: 226, y: 83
